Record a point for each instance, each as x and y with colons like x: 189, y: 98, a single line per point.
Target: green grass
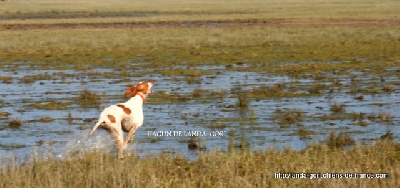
x: 206, y: 46
x: 299, y: 31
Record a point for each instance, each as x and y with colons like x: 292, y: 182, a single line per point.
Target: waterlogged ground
x: 235, y: 106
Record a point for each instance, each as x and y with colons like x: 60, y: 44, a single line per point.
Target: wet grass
x: 4, y: 114
x: 385, y: 117
x: 340, y: 140
x: 87, y: 99
x: 11, y: 147
x: 46, y: 119
x: 338, y: 107
x: 171, y: 97
x: 33, y: 78
x: 304, y: 133
x: 317, y: 88
x: 51, y: 105
x: 15, y: 123
x: 286, y: 117
x: 6, y: 79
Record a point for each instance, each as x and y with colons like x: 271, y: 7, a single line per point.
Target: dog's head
x: 144, y: 87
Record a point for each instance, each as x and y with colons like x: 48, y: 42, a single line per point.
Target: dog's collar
x: 142, y: 96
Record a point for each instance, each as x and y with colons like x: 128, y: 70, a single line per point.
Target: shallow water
x: 210, y: 115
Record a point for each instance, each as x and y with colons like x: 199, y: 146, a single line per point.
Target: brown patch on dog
x: 129, y: 91
x: 111, y: 118
x: 125, y: 109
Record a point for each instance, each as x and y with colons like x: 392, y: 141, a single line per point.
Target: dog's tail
x: 96, y: 126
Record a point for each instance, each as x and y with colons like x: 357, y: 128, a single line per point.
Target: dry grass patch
x: 215, y: 169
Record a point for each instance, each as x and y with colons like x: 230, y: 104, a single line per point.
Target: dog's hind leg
x: 118, y: 136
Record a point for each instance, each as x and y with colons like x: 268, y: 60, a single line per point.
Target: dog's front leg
x: 131, y: 134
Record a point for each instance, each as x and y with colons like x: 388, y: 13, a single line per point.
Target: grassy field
x: 204, y: 9
x: 67, y: 32
x: 261, y: 30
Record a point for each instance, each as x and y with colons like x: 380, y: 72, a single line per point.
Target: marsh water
x: 174, y: 112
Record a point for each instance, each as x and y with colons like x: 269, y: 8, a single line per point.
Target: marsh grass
x: 388, y: 88
x: 33, y: 78
x: 243, y: 100
x: 6, y: 79
x: 46, y: 119
x: 340, y: 140
x: 317, y: 88
x: 51, y: 105
x: 304, y: 133
x: 4, y: 114
x: 87, y: 99
x: 15, y: 123
x: 70, y: 118
x: 385, y: 117
x: 386, y: 137
x: 197, y: 93
x: 288, y: 116
x: 242, y: 145
x: 358, y: 116
x: 353, y: 85
x: 269, y: 91
x: 361, y: 123
x: 338, y: 107
x: 173, y: 97
x: 213, y: 169
x: 193, y: 79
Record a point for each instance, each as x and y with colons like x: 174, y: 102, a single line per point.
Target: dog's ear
x: 131, y: 91
x: 128, y: 92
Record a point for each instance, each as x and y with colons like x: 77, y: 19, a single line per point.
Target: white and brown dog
x: 125, y: 117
